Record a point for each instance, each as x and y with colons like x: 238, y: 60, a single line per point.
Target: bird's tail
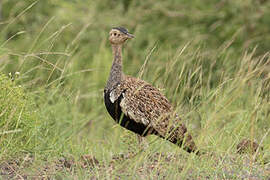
x: 179, y: 136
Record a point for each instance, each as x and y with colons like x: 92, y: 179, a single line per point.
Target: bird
x: 137, y: 105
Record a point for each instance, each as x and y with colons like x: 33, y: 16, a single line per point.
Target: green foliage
x: 210, y: 58
x: 17, y: 117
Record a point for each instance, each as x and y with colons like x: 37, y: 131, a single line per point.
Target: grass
x: 210, y: 59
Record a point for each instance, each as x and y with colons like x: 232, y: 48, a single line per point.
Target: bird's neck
x: 116, y: 73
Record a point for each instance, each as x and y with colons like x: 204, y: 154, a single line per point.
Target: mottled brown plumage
x: 145, y: 110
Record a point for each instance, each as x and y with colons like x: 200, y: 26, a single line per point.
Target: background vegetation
x: 210, y: 58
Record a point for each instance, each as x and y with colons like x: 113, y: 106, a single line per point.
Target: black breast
x: 114, y: 110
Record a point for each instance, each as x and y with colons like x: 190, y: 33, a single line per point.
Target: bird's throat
x: 117, y: 53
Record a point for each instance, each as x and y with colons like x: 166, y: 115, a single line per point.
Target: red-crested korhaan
x: 138, y: 106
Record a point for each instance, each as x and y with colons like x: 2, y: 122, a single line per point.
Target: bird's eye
x: 118, y: 35
x: 114, y: 34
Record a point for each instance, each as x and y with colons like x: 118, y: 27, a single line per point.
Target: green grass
x: 211, y: 59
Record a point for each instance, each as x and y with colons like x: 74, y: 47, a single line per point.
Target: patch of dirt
x: 130, y: 165
x: 16, y: 168
x: 12, y: 169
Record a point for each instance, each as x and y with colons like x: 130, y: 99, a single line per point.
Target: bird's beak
x: 130, y: 36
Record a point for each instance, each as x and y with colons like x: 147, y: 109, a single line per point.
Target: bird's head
x: 118, y: 35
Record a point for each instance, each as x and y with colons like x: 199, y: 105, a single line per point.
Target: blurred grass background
x: 210, y: 58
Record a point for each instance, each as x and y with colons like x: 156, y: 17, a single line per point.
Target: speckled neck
x: 116, y: 74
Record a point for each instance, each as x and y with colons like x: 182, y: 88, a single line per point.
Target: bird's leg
x: 142, y: 142
x: 140, y: 138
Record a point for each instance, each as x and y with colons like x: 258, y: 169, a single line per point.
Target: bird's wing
x: 144, y: 104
